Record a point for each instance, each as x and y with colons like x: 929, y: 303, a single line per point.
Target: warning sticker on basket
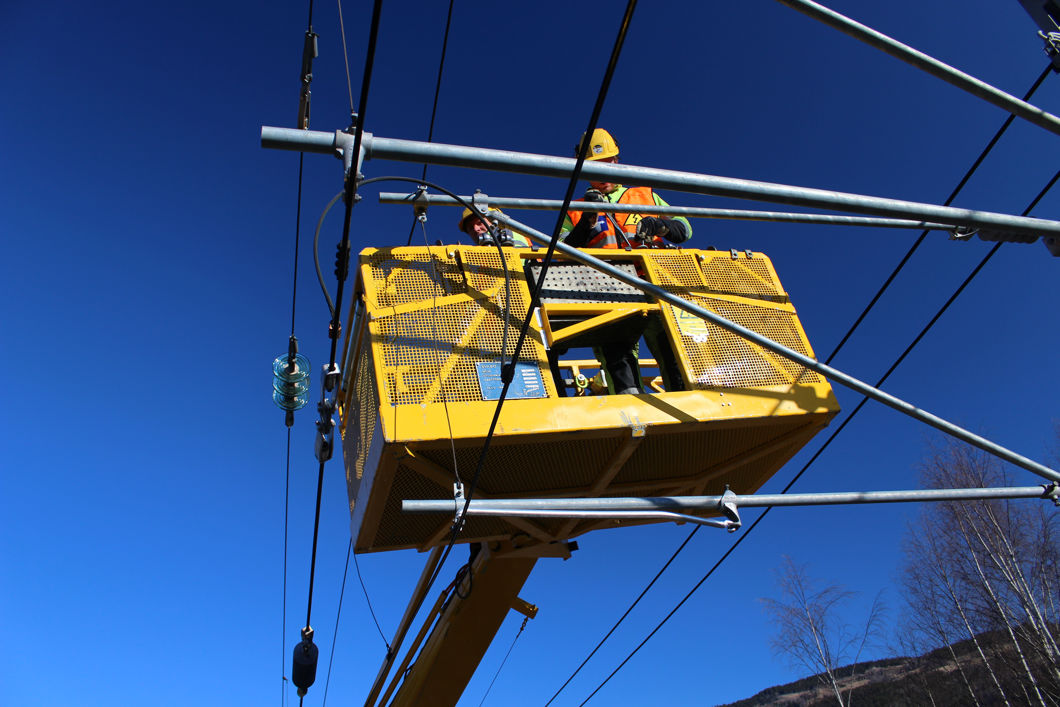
x: 692, y: 326
x: 526, y: 383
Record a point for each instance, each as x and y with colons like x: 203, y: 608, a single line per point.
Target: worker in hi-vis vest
x: 618, y: 350
x: 480, y: 234
x: 600, y: 230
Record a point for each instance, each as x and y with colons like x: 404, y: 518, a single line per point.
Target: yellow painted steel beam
x: 464, y: 632
x: 599, y: 320
x: 545, y: 416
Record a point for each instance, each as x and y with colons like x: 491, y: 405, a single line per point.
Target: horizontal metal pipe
x: 544, y: 165
x: 933, y: 66
x: 781, y: 350
x: 680, y: 504
x: 505, y: 202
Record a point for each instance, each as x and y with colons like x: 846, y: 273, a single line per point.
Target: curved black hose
x: 496, y: 241
x: 316, y: 252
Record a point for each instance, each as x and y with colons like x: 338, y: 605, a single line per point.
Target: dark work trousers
x: 620, y: 359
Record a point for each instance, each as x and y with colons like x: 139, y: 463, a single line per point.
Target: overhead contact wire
x: 975, y: 271
x: 287, y: 465
x: 536, y: 295
x: 964, y: 180
x: 535, y: 298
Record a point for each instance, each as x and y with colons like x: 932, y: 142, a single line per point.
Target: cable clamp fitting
x: 458, y: 505
x: 727, y: 506
x: 1052, y: 47
x: 325, y: 436
x: 329, y: 376
x: 420, y: 203
x: 1052, y: 492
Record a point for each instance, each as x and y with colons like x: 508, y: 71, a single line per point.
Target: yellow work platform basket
x: 422, y: 373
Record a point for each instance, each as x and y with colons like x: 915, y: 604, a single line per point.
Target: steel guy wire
x: 345, y: 56
x: 501, y: 667
x: 975, y: 271
x: 437, y: 91
x: 338, y: 613
x: 434, y: 338
x: 964, y: 180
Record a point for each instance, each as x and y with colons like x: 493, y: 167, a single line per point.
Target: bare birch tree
x: 988, y: 566
x: 811, y: 630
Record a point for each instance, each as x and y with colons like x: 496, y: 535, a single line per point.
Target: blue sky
x: 148, y: 252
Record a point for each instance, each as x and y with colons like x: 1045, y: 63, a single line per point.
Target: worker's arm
x: 675, y: 230
x: 579, y: 235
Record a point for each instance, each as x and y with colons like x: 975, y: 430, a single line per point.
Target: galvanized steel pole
x: 781, y: 350
x: 339, y: 143
x: 505, y: 202
x: 682, y: 504
x: 933, y: 66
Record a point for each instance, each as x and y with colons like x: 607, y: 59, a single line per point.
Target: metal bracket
x: 727, y: 505
x: 458, y: 504
x: 734, y: 253
x: 1052, y: 492
x: 481, y: 201
x: 1052, y: 47
x: 329, y: 376
x: 324, y: 446
x: 420, y: 202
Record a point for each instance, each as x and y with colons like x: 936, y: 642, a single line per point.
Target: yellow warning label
x: 692, y: 326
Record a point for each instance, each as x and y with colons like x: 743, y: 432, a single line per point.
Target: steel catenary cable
x: 964, y: 180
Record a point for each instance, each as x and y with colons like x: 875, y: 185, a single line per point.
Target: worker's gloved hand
x: 651, y: 227
x: 595, y: 195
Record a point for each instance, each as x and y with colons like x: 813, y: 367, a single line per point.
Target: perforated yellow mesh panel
x: 725, y: 359
x: 437, y: 313
x: 712, y: 356
x: 361, y: 422
x: 746, y: 276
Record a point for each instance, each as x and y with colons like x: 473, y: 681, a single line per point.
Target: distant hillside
x: 930, y: 679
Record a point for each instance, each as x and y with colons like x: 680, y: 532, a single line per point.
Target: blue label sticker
x: 526, y: 383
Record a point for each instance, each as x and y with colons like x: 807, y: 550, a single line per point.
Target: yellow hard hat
x: 469, y: 213
x: 601, y: 146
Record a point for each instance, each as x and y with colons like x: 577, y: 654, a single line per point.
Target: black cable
x: 351, y: 193
x: 623, y: 617
x: 975, y: 165
x: 378, y: 628
x: 316, y: 252
x: 975, y: 271
x: 338, y: 613
x: 952, y: 196
x: 536, y: 296
x: 437, y: 92
x: 283, y: 620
